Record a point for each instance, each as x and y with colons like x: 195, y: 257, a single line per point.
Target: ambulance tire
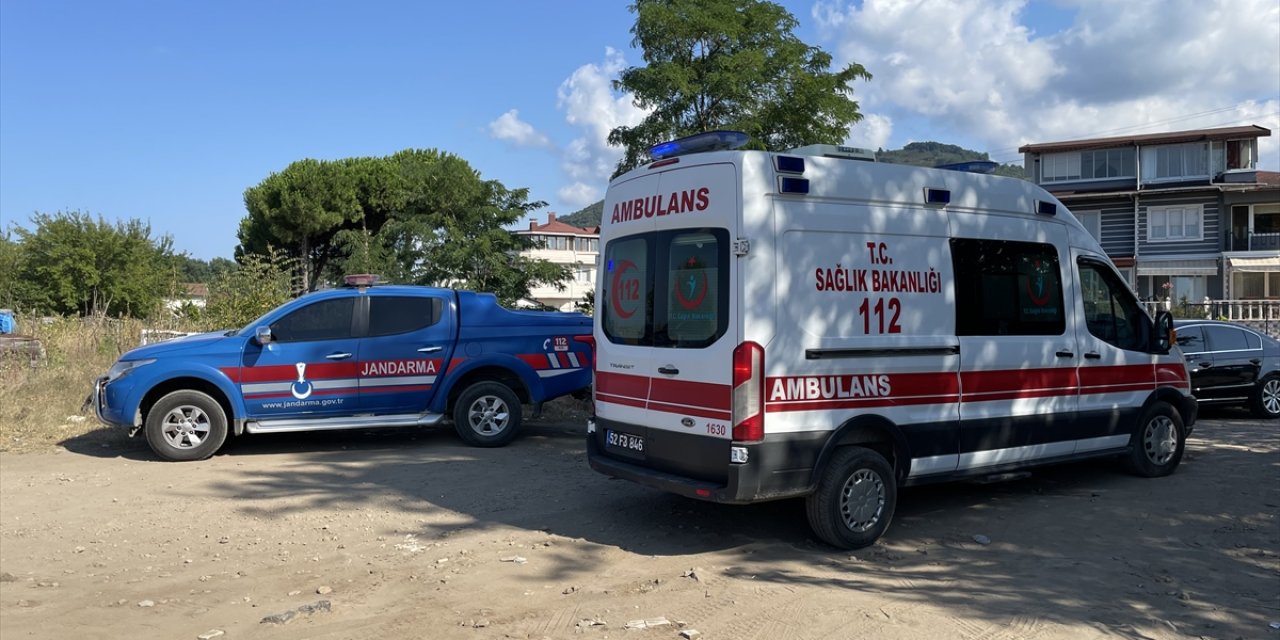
x: 185, y: 425
x: 1158, y: 442
x: 487, y: 414
x: 855, y: 499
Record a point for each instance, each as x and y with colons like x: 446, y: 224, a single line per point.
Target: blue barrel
x: 7, y: 324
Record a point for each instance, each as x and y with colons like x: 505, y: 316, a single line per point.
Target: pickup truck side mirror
x: 263, y: 335
x: 1162, y: 332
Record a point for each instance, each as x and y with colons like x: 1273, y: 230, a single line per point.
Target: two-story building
x: 1185, y: 215
x: 565, y: 244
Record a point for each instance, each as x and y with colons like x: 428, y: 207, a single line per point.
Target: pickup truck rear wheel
x: 487, y: 414
x: 186, y: 425
x: 855, y: 499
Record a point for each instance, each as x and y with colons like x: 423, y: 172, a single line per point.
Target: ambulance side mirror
x: 1163, y: 332
x: 263, y: 335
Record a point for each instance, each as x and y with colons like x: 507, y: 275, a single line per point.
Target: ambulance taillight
x: 748, y: 392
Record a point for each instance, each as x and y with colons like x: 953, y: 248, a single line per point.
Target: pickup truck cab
x: 359, y: 357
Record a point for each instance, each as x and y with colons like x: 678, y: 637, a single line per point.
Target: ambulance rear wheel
x: 487, y: 414
x: 186, y: 425
x: 1158, y: 443
x: 855, y: 499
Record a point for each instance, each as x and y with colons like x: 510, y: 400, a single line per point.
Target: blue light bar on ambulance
x: 699, y: 143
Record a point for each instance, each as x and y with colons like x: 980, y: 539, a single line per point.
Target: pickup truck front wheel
x: 487, y: 414
x: 186, y: 425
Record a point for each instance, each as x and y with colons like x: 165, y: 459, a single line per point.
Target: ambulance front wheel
x: 855, y: 499
x: 1158, y: 442
x: 186, y: 425
x: 487, y: 414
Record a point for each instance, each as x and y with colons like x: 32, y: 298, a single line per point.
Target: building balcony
x: 1250, y: 241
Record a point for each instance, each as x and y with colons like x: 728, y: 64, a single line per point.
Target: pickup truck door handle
x: 1065, y: 354
x: 1255, y: 360
x: 430, y: 349
x: 1205, y: 365
x: 671, y: 371
x: 338, y: 356
x: 1093, y: 355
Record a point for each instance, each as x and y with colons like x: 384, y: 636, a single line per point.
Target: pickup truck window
x: 324, y: 320
x: 390, y: 315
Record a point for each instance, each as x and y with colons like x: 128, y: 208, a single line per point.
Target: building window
x: 1241, y: 154
x: 1100, y: 164
x: 1092, y: 221
x: 1175, y: 224
x: 1175, y: 161
x: 1060, y: 167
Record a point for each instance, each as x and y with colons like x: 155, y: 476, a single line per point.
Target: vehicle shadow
x: 1174, y: 548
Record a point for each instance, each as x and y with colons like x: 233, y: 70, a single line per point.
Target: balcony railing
x: 1262, y: 315
x: 1253, y: 242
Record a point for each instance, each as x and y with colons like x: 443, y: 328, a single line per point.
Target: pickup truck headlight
x: 119, y: 369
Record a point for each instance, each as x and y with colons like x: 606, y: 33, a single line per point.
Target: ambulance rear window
x: 667, y: 288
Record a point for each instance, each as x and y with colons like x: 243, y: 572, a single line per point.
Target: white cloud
x: 872, y: 132
x: 979, y: 74
x: 590, y: 104
x: 580, y: 194
x: 511, y: 128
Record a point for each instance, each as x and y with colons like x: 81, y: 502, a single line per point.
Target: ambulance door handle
x: 430, y: 349
x: 671, y: 371
x: 1093, y: 355
x: 338, y: 356
x: 1065, y: 354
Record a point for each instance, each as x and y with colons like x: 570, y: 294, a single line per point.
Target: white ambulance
x: 807, y: 323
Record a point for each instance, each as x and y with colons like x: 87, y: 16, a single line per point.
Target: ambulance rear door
x: 665, y: 359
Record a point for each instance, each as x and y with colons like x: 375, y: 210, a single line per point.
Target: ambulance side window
x: 324, y: 320
x: 1110, y: 311
x: 1007, y: 288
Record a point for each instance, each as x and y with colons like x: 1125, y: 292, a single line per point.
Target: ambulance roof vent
x: 699, y: 143
x: 835, y: 151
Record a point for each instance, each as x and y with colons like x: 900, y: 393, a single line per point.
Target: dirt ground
x: 410, y: 534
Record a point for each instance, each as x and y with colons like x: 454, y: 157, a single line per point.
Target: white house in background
x: 565, y: 244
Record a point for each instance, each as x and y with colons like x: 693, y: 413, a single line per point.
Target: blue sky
x: 168, y: 111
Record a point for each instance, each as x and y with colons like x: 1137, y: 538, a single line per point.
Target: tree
x: 299, y: 210
x: 418, y: 216
x: 78, y: 265
x: 260, y: 283
x: 15, y: 292
x: 731, y: 64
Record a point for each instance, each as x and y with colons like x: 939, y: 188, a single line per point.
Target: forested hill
x: 920, y: 154
x: 588, y: 216
x: 932, y: 154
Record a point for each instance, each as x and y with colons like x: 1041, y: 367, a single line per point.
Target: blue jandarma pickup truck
x: 356, y: 357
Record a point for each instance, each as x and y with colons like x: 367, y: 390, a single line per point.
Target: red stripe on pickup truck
x: 287, y: 372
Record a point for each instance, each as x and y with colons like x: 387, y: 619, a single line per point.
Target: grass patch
x: 40, y: 399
